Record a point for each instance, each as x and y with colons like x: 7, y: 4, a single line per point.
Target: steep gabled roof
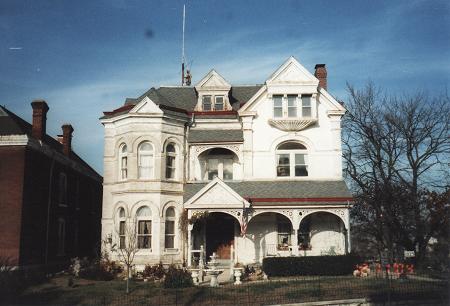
x: 182, y: 99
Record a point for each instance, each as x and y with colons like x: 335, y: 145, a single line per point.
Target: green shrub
x: 177, y: 278
x: 310, y: 265
x: 97, y: 271
x: 154, y: 272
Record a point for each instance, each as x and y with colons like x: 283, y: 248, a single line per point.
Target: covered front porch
x: 250, y: 234
x: 249, y: 220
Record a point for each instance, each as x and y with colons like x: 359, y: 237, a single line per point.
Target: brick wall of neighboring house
x: 79, y: 207
x: 11, y: 184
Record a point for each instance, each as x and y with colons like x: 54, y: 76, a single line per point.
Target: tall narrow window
x: 61, y: 236
x: 62, y: 189
x: 122, y: 231
x: 292, y: 106
x: 206, y: 103
x: 292, y: 159
x: 144, y: 228
x: 306, y: 106
x: 171, y: 159
x: 170, y: 228
x: 145, y: 160
x: 123, y: 162
x: 277, y: 106
x: 218, y: 105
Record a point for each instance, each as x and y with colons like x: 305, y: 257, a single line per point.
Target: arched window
x: 122, y: 231
x: 171, y: 159
x: 145, y: 160
x: 292, y: 159
x: 144, y: 227
x: 170, y: 229
x: 123, y: 162
x: 218, y: 162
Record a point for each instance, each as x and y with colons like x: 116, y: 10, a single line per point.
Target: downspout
x: 187, y: 127
x: 49, y: 203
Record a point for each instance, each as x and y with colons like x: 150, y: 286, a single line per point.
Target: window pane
x: 283, y: 159
x: 170, y: 212
x: 144, y: 211
x: 227, y: 169
x: 292, y: 106
x: 144, y: 242
x: 170, y: 148
x: 291, y: 146
x: 122, y: 228
x: 207, y: 103
x: 170, y: 227
x: 122, y: 242
x: 278, y: 106
x: 219, y: 103
x: 145, y: 147
x: 122, y: 213
x: 301, y: 171
x: 306, y: 106
x: 170, y: 161
x: 300, y: 159
x: 124, y: 149
x: 213, y: 168
x: 169, y: 242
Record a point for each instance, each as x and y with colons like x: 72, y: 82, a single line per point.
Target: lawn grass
x: 86, y: 292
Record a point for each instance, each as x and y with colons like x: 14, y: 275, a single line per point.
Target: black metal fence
x: 383, y: 290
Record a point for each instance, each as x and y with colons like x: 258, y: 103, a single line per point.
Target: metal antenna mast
x: 182, y: 48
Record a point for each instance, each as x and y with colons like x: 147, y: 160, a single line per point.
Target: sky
x: 86, y: 56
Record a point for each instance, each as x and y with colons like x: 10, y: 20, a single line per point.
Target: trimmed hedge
x: 310, y: 265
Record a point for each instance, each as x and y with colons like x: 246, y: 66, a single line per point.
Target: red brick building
x: 50, y: 199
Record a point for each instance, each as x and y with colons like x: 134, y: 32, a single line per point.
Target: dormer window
x: 206, y: 103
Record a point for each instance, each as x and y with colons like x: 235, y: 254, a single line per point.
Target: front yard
x: 86, y: 292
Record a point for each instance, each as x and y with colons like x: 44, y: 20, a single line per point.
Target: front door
x: 219, y: 235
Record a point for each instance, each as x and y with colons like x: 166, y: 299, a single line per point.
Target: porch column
x: 347, y: 226
x: 189, y: 245
x: 294, y: 242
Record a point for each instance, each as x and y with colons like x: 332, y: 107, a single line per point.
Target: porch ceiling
x: 268, y: 193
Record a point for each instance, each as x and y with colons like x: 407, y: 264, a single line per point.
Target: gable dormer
x: 213, y: 93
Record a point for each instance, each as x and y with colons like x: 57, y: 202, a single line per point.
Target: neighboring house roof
x: 209, y: 136
x: 11, y: 124
x: 184, y: 99
x: 283, y: 192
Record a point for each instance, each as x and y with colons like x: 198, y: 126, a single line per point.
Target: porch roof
x: 268, y: 193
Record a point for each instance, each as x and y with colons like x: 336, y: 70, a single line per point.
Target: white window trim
x: 292, y: 164
x: 298, y: 105
x: 175, y: 162
x: 144, y: 218
x: 175, y: 249
x: 153, y: 160
x: 122, y: 155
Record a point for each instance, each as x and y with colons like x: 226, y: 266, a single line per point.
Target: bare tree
x: 127, y: 246
x: 397, y: 153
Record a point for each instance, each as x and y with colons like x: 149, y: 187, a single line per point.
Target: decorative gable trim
x: 146, y: 106
x: 213, y: 81
x: 292, y: 72
x: 193, y: 202
x: 336, y: 108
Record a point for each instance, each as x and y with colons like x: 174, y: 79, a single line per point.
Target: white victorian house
x: 256, y: 168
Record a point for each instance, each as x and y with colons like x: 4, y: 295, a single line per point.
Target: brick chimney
x: 321, y: 74
x: 67, y: 138
x: 40, y: 109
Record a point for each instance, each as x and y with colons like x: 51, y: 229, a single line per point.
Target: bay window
x: 145, y: 160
